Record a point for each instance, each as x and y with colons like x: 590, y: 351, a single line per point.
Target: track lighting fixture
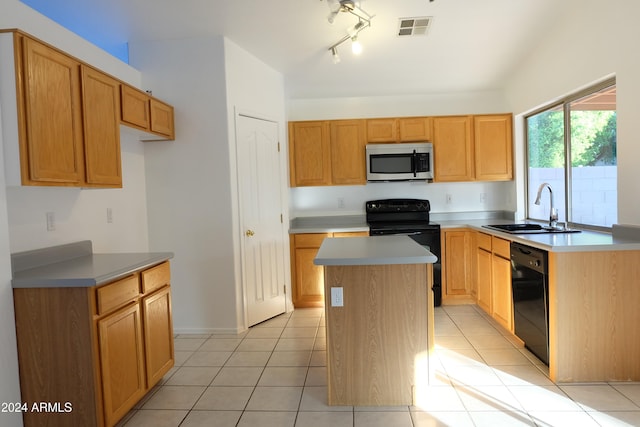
x: 364, y: 21
x: 334, y: 54
x: 356, y: 46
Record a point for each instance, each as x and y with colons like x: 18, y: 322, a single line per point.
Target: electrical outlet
x: 340, y: 202
x: 448, y: 199
x: 109, y: 216
x: 336, y: 297
x: 51, y: 221
x: 483, y: 198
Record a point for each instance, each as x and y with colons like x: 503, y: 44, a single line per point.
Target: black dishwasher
x: 530, y: 288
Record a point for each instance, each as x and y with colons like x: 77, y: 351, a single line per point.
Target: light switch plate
x: 336, y: 297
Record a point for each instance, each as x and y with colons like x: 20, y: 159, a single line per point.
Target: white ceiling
x: 472, y: 45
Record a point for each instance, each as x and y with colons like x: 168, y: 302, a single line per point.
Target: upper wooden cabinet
x: 468, y: 148
x: 493, y: 147
x: 63, y: 126
x: 161, y: 118
x: 348, y: 152
x: 101, y: 128
x: 135, y: 107
x: 453, y: 149
x: 141, y: 111
x: 327, y: 153
x: 49, y: 115
x: 405, y: 129
x: 309, y: 153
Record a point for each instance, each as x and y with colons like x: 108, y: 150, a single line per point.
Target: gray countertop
x: 77, y: 268
x: 372, y: 250
x: 328, y: 224
x: 585, y: 241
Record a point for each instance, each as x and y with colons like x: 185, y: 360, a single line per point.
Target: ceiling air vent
x: 414, y: 26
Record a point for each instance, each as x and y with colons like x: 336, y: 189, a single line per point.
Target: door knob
x: 249, y: 233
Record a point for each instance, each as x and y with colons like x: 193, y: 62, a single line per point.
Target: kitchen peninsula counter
x: 380, y: 326
x: 75, y: 265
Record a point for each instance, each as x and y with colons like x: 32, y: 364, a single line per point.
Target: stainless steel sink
x: 529, y: 229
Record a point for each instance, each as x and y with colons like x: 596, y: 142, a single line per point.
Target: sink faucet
x: 553, y: 213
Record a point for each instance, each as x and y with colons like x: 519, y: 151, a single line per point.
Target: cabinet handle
x: 249, y: 233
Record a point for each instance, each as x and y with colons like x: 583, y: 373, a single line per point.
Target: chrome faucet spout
x: 553, y: 212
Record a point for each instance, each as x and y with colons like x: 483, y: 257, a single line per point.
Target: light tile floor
x: 275, y: 375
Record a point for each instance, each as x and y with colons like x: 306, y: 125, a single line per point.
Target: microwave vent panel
x: 417, y: 26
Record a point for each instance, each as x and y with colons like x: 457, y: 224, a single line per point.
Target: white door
x: 263, y: 245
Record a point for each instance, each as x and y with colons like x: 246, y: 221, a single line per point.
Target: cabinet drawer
x: 484, y: 241
x: 351, y: 234
x: 501, y: 247
x: 309, y: 240
x: 117, y: 294
x: 156, y: 277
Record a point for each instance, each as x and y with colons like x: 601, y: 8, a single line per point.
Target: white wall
x: 465, y: 197
x: 595, y: 40
x: 9, y: 382
x: 191, y: 182
x: 80, y: 214
x: 188, y: 180
x: 255, y: 89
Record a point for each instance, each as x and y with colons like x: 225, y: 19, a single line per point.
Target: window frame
x: 565, y: 103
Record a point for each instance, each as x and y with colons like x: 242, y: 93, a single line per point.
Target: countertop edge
x: 39, y: 278
x: 345, y: 262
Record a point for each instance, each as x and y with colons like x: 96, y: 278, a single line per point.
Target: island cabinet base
x: 378, y: 342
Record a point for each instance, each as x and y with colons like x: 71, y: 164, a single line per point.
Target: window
x: 571, y: 146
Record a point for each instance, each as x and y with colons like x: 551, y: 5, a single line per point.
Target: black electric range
x: 408, y: 217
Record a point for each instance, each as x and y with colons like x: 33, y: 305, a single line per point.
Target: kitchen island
x: 379, y: 318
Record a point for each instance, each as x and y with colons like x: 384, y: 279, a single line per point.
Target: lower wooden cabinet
x: 457, y: 265
x: 493, y: 276
x: 306, y: 277
x: 121, y: 361
x: 95, y: 351
x: 502, y: 304
x: 158, y: 334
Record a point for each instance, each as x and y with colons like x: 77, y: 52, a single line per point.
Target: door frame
x: 241, y: 289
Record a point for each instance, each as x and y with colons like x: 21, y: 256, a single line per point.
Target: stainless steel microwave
x: 399, y: 162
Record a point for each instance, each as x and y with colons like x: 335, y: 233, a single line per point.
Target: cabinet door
x: 135, y: 107
x: 483, y: 276
x: 493, y: 147
x: 307, y: 278
x: 457, y: 263
x: 382, y: 130
x: 161, y: 118
x: 51, y: 142
x: 453, y: 149
x: 501, y: 291
x: 348, y: 164
x: 101, y: 106
x: 158, y: 334
x: 121, y: 361
x: 414, y: 129
x: 309, y: 153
